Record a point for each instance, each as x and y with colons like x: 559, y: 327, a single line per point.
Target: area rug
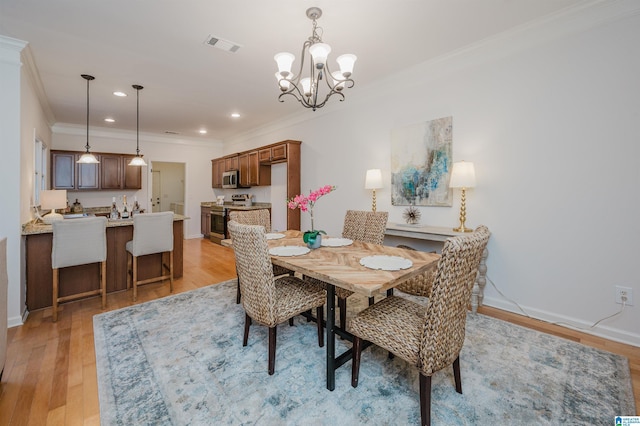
x: 180, y: 361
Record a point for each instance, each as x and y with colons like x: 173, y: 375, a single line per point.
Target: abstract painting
x: 421, y: 163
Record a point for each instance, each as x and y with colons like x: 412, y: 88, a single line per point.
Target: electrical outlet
x: 624, y: 292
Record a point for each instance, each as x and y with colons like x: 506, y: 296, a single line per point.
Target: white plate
x: 288, y: 251
x: 335, y: 242
x: 386, y: 263
x: 274, y: 236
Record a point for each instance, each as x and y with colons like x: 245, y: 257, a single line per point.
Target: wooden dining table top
x: 341, y: 266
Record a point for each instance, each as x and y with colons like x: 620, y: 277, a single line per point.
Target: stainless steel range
x: 218, y: 224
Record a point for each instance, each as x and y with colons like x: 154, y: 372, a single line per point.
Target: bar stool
x: 79, y: 242
x: 152, y: 233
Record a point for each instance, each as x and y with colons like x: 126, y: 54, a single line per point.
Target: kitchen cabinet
x: 252, y: 173
x: 111, y: 173
x: 273, y: 154
x: 67, y: 174
x: 205, y: 221
x: 231, y: 163
x: 217, y: 167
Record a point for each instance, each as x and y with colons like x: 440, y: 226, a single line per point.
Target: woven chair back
x: 446, y: 314
x: 255, y: 272
x: 365, y: 226
x: 252, y: 217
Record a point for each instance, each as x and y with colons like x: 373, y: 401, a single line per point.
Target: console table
x: 439, y: 233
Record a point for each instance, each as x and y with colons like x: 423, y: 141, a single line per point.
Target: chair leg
x: 247, y: 324
x: 342, y: 305
x: 355, y: 362
x: 54, y: 306
x: 272, y: 350
x: 456, y: 374
x: 291, y: 322
x: 320, y: 315
x: 425, y: 399
x: 371, y: 300
x: 129, y: 269
x: 238, y: 292
x: 171, y: 271
x: 134, y: 277
x: 103, y: 283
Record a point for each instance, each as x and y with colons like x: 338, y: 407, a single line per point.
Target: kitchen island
x: 78, y: 279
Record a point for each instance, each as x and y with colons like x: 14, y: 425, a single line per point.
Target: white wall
x: 195, y: 154
x: 550, y: 117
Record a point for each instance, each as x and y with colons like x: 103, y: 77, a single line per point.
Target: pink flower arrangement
x: 306, y: 203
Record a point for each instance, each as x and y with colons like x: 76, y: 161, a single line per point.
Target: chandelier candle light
x: 305, y: 204
x: 137, y: 160
x: 306, y: 90
x: 87, y: 157
x: 463, y: 175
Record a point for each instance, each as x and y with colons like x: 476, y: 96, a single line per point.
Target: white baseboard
x: 580, y: 325
x: 17, y: 320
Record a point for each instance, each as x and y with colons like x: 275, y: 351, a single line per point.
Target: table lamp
x: 463, y: 176
x: 52, y: 200
x: 373, y: 181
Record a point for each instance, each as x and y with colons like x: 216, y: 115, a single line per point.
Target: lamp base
x: 51, y: 217
x: 462, y: 229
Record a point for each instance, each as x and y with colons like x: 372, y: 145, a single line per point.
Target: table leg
x: 331, y: 337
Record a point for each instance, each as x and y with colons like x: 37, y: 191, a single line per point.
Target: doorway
x: 167, y: 187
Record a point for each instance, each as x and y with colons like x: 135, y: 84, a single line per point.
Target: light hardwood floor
x: 50, y: 375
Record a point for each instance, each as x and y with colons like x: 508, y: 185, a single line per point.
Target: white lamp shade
x: 284, y: 61
x: 338, y: 80
x: 463, y: 175
x: 283, y: 82
x: 306, y: 86
x: 373, y: 179
x: 137, y: 161
x: 53, y: 199
x: 88, y: 158
x: 346, y: 63
x: 319, y: 53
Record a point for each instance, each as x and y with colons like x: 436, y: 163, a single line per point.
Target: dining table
x: 340, y: 262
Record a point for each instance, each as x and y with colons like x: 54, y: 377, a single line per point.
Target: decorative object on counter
x: 114, y: 214
x: 220, y: 200
x: 87, y: 157
x: 373, y: 181
x: 136, y: 206
x: 306, y: 89
x: 312, y: 238
x: 125, y: 209
x: 51, y: 200
x: 411, y: 215
x: 137, y: 160
x: 463, y: 175
x: 77, y: 207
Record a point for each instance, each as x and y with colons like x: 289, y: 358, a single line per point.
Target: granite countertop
x: 231, y: 206
x: 36, y: 227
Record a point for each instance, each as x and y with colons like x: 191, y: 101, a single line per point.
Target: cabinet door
x: 131, y: 175
x: 217, y: 167
x: 245, y: 174
x: 264, y: 155
x: 88, y: 176
x: 63, y: 170
x: 111, y: 171
x: 259, y: 174
x: 231, y: 163
x: 279, y: 153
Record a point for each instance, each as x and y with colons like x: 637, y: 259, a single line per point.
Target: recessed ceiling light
x: 109, y: 120
x: 121, y: 94
x: 235, y: 115
x: 203, y: 131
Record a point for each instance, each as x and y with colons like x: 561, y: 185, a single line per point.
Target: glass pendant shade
x: 284, y: 61
x: 346, y: 62
x: 306, y: 86
x: 87, y: 157
x: 319, y: 53
x: 137, y: 160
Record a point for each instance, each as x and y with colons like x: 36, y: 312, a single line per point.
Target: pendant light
x: 137, y: 160
x: 87, y: 157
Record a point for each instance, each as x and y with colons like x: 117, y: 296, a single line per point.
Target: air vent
x: 222, y: 44
x: 169, y: 132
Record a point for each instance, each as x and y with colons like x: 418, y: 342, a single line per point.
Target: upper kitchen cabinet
x: 231, y: 163
x: 252, y: 173
x: 111, y: 173
x: 273, y: 154
x: 217, y: 168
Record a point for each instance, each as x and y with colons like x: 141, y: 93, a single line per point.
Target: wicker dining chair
x: 428, y: 337
x: 420, y: 285
x: 268, y: 300
x: 256, y: 217
x: 365, y: 226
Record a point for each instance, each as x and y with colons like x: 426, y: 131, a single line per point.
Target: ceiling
x: 190, y: 85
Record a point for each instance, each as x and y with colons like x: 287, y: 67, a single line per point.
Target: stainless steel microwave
x: 230, y: 179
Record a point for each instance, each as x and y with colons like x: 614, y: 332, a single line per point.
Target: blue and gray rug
x: 180, y: 361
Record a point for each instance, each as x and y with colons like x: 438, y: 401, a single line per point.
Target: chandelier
x: 307, y: 90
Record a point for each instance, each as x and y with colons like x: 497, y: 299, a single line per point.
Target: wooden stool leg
x: 103, y: 283
x: 129, y: 270
x: 135, y: 278
x: 171, y: 271
x: 54, y: 306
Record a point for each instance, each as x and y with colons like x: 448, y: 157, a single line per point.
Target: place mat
x: 386, y: 263
x: 288, y: 251
x: 274, y: 235
x: 335, y: 242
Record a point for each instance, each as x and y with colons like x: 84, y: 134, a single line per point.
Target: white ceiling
x: 189, y: 85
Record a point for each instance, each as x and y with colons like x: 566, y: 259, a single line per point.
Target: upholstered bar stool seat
x: 79, y: 242
x: 152, y: 233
